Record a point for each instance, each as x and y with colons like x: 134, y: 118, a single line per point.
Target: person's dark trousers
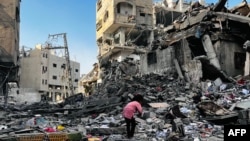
x: 130, y: 123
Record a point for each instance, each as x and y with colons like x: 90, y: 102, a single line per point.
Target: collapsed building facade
x: 121, y: 26
x: 206, y: 42
x: 198, y: 41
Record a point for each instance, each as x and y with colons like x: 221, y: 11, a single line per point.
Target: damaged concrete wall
x: 157, y: 61
x: 204, y: 37
x: 231, y: 56
x: 191, y: 69
x: 25, y: 95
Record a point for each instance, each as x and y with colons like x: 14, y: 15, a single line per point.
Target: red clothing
x: 130, y: 109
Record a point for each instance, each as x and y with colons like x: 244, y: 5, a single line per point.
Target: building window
x: 99, y: 25
x: 119, y: 8
x: 106, y: 16
x: 54, y: 65
x: 124, y: 8
x: 151, y: 58
x: 63, y: 66
x: 44, y: 69
x: 76, y: 80
x: 239, y: 60
x: 44, y: 55
x: 54, y: 77
x: 77, y: 70
x: 142, y: 14
x: 99, y: 4
x: 17, y: 14
x: 45, y: 82
x: 42, y: 81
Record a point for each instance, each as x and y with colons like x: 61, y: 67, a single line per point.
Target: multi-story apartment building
x: 123, y: 29
x: 122, y: 26
x: 46, y: 72
x: 9, y: 41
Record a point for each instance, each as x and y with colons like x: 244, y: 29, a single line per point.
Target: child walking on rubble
x: 128, y: 113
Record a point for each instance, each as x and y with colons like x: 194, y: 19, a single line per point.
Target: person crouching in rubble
x: 129, y: 111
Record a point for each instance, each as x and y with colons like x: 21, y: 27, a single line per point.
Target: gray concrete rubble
x: 171, y: 112
x: 177, y: 105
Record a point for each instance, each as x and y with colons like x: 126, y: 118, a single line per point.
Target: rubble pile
x: 173, y: 110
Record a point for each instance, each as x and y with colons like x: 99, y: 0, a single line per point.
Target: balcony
x: 125, y: 19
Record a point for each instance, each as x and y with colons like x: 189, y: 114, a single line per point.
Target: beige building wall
x: 110, y: 15
x: 45, y: 72
x: 119, y: 18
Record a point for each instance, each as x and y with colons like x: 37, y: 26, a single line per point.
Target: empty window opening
x: 54, y: 77
x: 63, y: 66
x: 106, y: 16
x: 124, y: 8
x: 17, y: 14
x: 239, y: 60
x: 151, y: 58
x: 99, y: 25
x: 142, y: 14
x: 99, y: 5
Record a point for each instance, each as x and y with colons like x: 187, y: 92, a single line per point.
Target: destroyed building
x: 201, y: 41
x: 9, y: 42
x: 45, y: 72
x: 206, y: 42
x: 121, y: 26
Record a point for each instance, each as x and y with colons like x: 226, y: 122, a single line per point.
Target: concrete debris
x: 171, y: 112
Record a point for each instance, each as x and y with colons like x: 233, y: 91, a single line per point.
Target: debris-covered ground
x: 173, y: 110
